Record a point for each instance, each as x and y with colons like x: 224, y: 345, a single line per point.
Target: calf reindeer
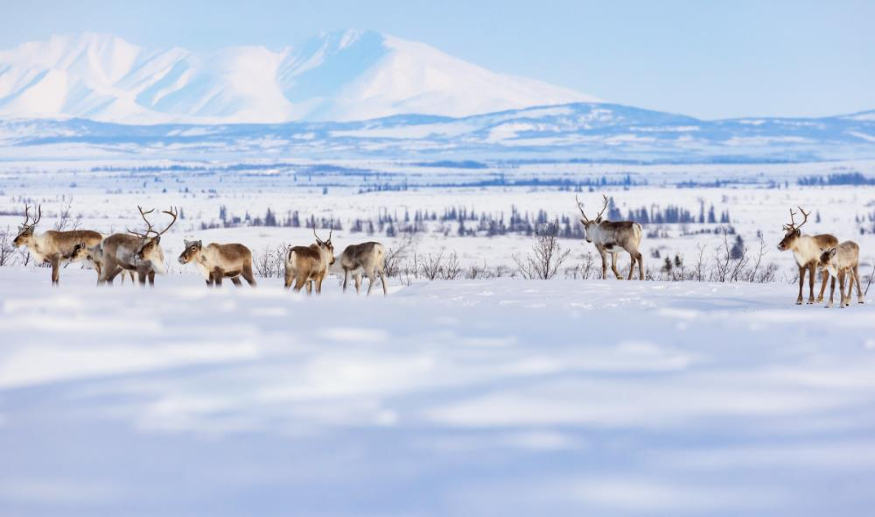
x: 93, y: 256
x: 610, y: 237
x: 307, y: 264
x: 843, y: 261
x: 366, y: 258
x: 218, y: 261
x: 133, y: 251
x: 52, y: 246
x: 807, y: 250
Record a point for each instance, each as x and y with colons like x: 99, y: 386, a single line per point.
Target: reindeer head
x: 191, y: 251
x: 792, y: 231
x: 150, y: 242
x: 89, y: 254
x: 325, y: 247
x: 827, y: 260
x: 25, y: 231
x: 590, y: 224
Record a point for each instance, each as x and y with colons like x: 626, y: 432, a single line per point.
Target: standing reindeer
x: 807, y: 250
x: 218, y: 261
x: 51, y: 246
x: 610, y: 237
x: 307, y: 264
x: 843, y: 261
x: 135, y: 251
x: 366, y: 258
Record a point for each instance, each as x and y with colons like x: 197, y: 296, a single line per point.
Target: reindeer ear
x: 832, y: 252
x: 598, y: 219
x: 157, y: 239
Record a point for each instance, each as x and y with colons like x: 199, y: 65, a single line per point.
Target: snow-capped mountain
x: 351, y: 75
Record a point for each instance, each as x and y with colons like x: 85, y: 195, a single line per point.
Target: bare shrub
x: 476, y: 272
x: 430, y: 265
x: 546, y: 256
x: 270, y: 262
x: 452, y: 269
x: 66, y: 221
x: 7, y: 250
x: 392, y: 261
x: 584, y: 270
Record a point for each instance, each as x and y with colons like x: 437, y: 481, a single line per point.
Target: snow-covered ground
x: 497, y: 397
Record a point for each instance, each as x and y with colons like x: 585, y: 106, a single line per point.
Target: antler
x: 148, y: 224
x: 174, y: 213
x: 793, y: 225
x: 316, y: 235
x: 580, y: 207
x: 27, y: 222
x: 604, y: 207
x: 805, y: 215
x: 329, y: 234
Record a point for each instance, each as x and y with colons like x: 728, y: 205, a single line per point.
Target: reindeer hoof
x: 828, y: 306
x: 798, y: 302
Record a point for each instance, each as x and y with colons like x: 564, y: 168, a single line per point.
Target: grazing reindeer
x: 610, y: 236
x: 135, y: 251
x: 309, y: 263
x: 807, y: 250
x: 366, y: 258
x: 843, y: 261
x: 51, y: 246
x: 93, y: 255
x: 218, y: 261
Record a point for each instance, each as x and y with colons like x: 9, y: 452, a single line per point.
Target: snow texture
x: 498, y: 397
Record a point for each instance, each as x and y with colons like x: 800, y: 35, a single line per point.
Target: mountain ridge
x: 339, y: 76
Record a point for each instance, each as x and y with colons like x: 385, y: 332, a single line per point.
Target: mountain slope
x: 580, y: 131
x: 351, y: 75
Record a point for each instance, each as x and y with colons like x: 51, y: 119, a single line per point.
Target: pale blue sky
x: 703, y: 58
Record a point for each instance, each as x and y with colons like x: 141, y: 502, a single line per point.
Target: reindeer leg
x: 299, y: 283
x: 842, y: 288
x: 604, y: 255
x: 358, y: 282
x: 247, y: 274
x: 370, y: 280
x: 812, y: 272
x: 614, y: 266
x: 631, y: 265
x: 345, y: 278
x: 56, y: 264
x: 860, y: 296
x: 141, y: 276
x: 236, y: 281
x: 825, y: 276
x: 217, y: 276
x: 832, y: 290
x: 802, y: 271
x: 383, y: 281
x: 151, y: 277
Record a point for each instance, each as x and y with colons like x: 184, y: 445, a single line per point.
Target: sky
x: 709, y: 59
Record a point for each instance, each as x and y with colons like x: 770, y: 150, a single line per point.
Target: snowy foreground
x: 496, y: 397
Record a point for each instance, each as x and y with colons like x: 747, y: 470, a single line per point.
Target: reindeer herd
x: 140, y: 254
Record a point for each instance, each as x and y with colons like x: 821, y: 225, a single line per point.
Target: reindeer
x: 308, y: 264
x: 841, y: 261
x: 608, y: 236
x: 807, y: 250
x: 93, y: 256
x: 134, y: 251
x: 52, y: 246
x: 366, y: 258
x: 218, y: 261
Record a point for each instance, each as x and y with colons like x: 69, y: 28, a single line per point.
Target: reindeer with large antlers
x: 807, y: 250
x: 134, y: 251
x: 309, y: 264
x: 610, y: 237
x: 52, y: 246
